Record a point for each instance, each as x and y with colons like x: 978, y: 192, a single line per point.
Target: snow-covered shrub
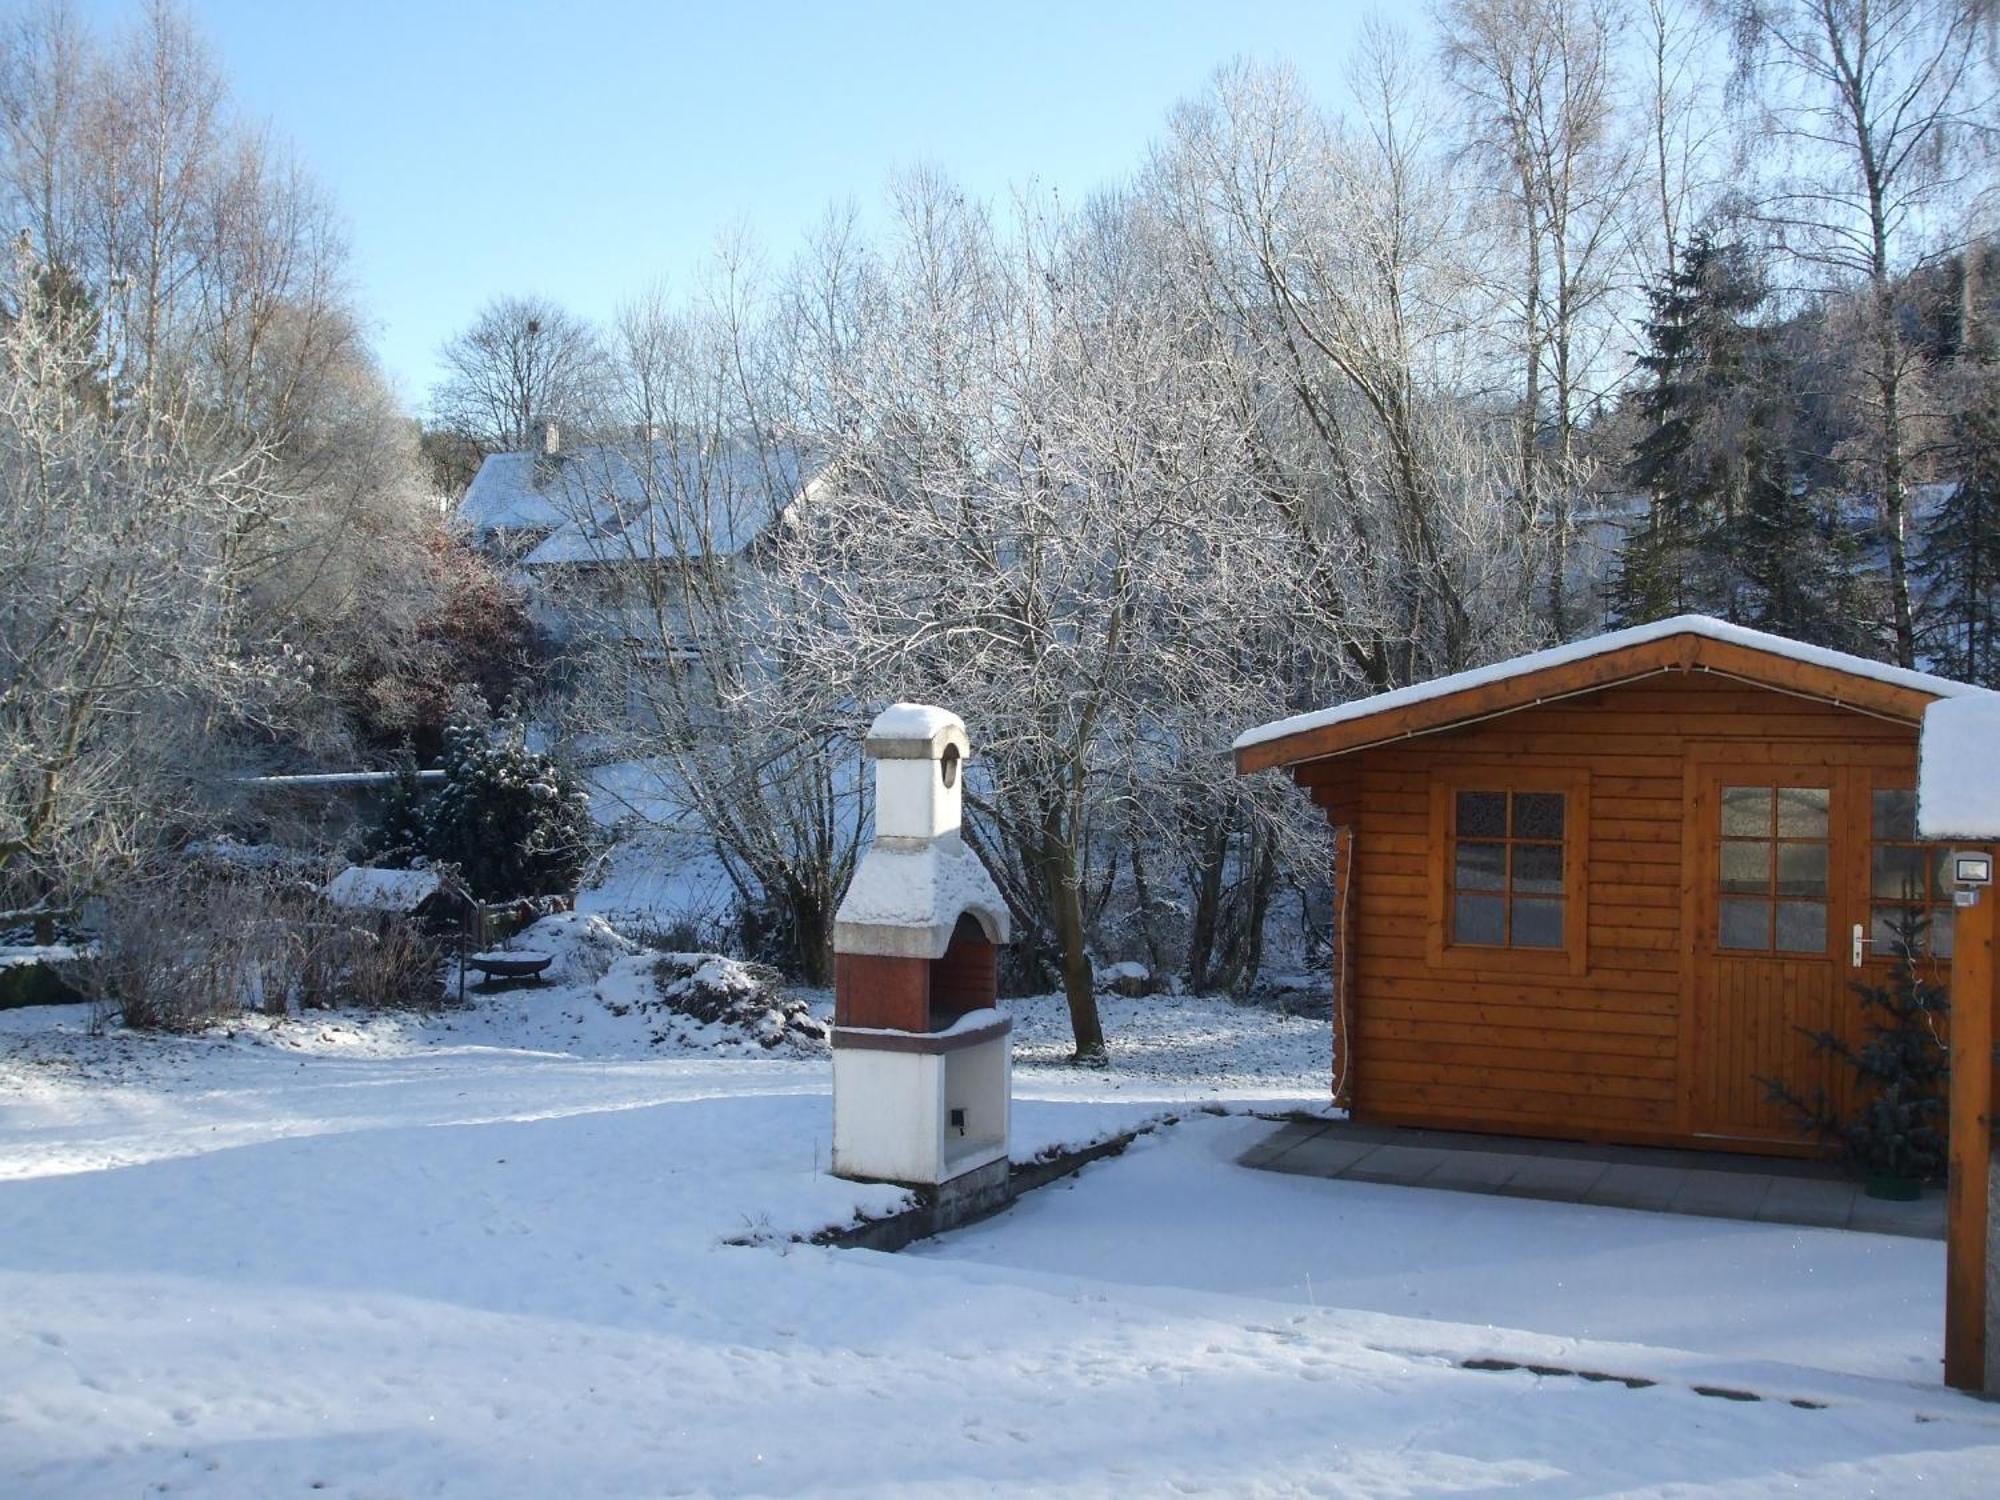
x: 708, y: 999
x: 187, y: 947
x: 175, y: 951
x: 396, y: 965
x: 513, y: 821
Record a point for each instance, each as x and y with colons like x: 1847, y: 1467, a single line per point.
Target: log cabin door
x: 1798, y: 878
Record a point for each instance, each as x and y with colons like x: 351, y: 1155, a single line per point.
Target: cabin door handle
x: 1860, y: 942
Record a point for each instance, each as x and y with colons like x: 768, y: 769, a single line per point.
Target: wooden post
x: 1975, y: 998
x: 1343, y: 965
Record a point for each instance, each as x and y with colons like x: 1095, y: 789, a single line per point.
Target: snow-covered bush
x: 186, y: 948
x: 402, y: 827
x: 710, y: 1001
x: 724, y: 992
x: 514, y: 822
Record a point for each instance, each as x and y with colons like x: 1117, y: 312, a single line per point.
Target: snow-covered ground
x: 1570, y: 1270
x: 488, y: 1256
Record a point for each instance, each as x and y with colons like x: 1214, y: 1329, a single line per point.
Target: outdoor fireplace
x: 922, y: 1065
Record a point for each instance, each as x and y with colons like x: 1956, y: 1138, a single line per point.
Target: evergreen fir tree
x: 1902, y: 1075
x: 1694, y: 353
x: 1794, y: 563
x: 514, y: 822
x: 402, y: 828
x: 1730, y: 530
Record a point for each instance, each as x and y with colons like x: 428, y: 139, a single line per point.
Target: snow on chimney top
x: 545, y: 436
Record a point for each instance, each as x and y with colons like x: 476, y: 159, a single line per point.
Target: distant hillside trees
x: 1884, y: 114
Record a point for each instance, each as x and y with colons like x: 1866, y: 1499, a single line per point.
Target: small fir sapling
x: 402, y: 829
x: 1897, y: 1126
x: 514, y: 822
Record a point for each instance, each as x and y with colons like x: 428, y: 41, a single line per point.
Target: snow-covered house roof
x: 1958, y: 769
x: 620, y: 502
x: 1682, y: 643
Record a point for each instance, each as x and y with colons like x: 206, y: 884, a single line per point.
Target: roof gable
x: 1685, y: 643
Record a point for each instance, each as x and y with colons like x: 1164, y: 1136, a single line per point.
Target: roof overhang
x: 1686, y: 645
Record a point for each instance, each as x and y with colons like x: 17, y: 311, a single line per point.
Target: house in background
x: 583, y: 530
x: 1597, y: 891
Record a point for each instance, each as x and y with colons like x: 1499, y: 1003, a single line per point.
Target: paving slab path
x: 1771, y: 1190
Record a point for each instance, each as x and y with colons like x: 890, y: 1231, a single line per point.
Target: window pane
x: 1482, y: 815
x: 1894, y: 815
x: 1802, y: 812
x: 1746, y: 811
x: 1538, y: 868
x: 1746, y: 924
x: 1897, y: 874
x: 1801, y: 869
x: 1802, y: 927
x: 1538, y: 815
x: 1481, y: 867
x: 1941, y: 920
x: 1746, y: 867
x: 1479, y: 919
x: 1538, y: 924
x: 1941, y: 881
x: 1887, y: 927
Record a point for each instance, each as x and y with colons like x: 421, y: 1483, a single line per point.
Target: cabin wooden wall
x: 1594, y: 1055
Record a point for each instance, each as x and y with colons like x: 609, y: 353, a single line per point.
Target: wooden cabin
x: 1595, y: 892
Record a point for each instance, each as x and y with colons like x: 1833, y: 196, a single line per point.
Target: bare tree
x: 45, y: 63
x: 684, y: 630
x: 1332, y: 254
x: 1684, y: 130
x: 1539, y: 85
x: 120, y: 643
x: 521, y: 360
x: 1879, y: 105
x: 1045, y: 518
x: 206, y: 268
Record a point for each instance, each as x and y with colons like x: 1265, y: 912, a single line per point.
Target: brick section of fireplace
x: 917, y: 994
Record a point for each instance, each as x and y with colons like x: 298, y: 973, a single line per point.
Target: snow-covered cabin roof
x: 1683, y: 643
x: 616, y: 502
x: 362, y: 889
x: 1958, y: 769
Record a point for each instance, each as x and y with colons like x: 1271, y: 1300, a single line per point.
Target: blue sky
x: 587, y: 150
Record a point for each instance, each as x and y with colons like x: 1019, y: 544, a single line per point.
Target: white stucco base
x: 892, y: 1111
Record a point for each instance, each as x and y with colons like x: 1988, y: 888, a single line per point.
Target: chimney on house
x: 545, y: 442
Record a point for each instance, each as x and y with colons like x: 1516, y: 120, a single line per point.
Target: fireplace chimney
x: 922, y: 1064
